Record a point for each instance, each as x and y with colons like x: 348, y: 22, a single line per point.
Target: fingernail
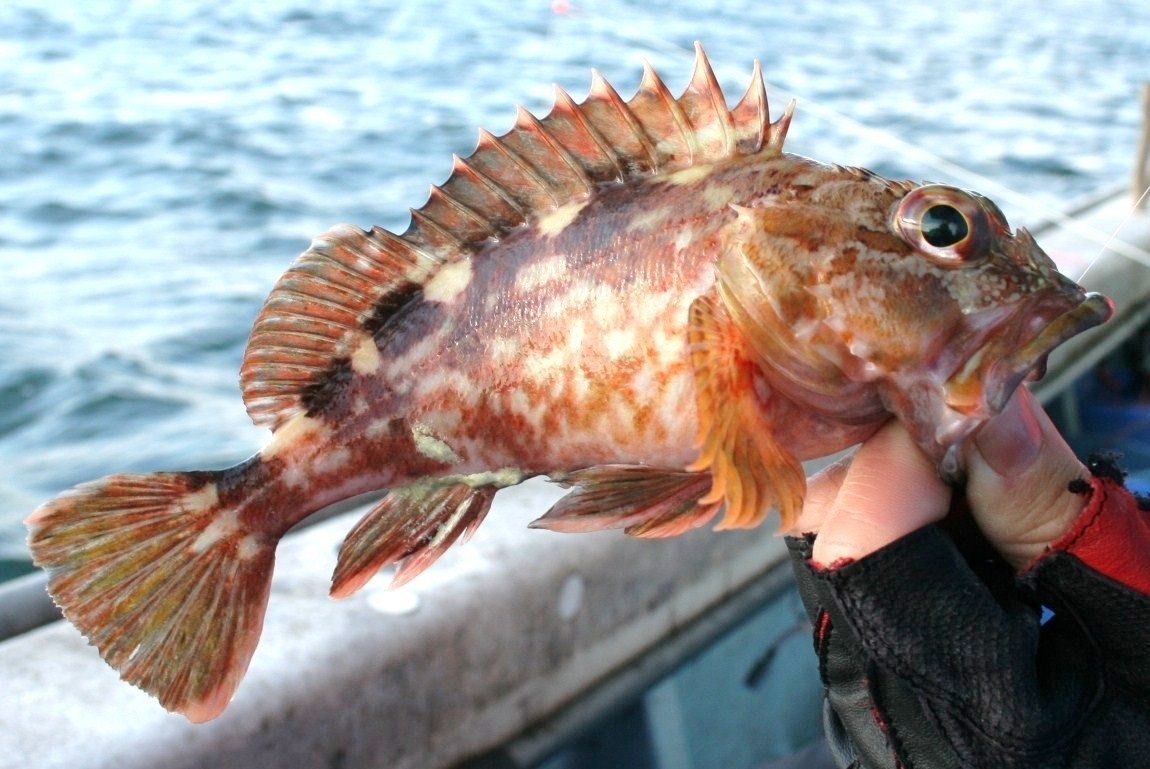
x: 1009, y: 442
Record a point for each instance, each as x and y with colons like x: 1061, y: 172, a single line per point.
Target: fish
x: 647, y: 301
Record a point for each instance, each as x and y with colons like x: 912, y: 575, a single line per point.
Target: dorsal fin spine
x: 752, y: 110
x: 440, y: 238
x: 491, y: 141
x: 778, y: 129
x: 571, y: 108
x: 529, y: 122
x: 604, y: 90
x: 462, y: 209
x: 654, y: 86
x: 475, y: 190
x: 705, y: 92
x: 462, y: 167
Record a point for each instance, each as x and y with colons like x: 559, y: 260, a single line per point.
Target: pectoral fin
x: 750, y: 470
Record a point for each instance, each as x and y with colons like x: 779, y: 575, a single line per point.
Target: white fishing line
x: 1107, y: 245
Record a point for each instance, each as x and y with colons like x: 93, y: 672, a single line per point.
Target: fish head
x: 1009, y: 306
x: 865, y: 297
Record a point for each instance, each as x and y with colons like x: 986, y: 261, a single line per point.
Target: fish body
x: 555, y: 351
x: 647, y: 301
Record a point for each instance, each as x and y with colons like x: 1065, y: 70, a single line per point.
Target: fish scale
x: 647, y: 301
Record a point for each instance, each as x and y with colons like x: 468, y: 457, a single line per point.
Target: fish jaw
x: 1002, y: 308
x: 941, y: 405
x: 993, y: 372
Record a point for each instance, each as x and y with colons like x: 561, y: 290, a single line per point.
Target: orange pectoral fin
x: 750, y: 470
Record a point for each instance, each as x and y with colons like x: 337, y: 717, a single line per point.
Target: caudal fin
x: 162, y: 579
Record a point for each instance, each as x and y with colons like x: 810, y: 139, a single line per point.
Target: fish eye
x: 943, y: 225
x: 947, y: 225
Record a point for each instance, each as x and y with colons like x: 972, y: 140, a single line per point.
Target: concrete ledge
x: 502, y: 631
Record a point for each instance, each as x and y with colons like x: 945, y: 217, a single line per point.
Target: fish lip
x: 1004, y: 375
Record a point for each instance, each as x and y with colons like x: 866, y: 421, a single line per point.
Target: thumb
x: 1018, y: 469
x: 890, y: 489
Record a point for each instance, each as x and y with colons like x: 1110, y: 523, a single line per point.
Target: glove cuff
x: 1111, y: 536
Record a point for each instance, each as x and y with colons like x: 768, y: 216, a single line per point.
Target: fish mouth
x: 987, y: 383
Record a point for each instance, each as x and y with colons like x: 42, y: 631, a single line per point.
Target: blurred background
x: 162, y: 163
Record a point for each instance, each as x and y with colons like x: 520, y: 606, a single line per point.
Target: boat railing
x: 507, y: 647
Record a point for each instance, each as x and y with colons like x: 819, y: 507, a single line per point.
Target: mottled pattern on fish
x: 647, y: 301
x: 562, y: 350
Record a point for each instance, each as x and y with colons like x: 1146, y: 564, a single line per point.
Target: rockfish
x: 645, y: 300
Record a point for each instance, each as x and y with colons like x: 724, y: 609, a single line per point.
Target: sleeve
x: 1098, y: 574
x: 1111, y: 536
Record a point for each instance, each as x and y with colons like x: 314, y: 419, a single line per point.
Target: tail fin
x: 162, y: 579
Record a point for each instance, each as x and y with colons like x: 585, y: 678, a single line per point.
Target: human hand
x: 1018, y: 471
x: 932, y: 654
x: 1018, y: 468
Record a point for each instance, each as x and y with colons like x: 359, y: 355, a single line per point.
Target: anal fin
x: 414, y: 524
x: 644, y: 501
x: 737, y: 415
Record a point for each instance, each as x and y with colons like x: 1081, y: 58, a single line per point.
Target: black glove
x: 934, y: 658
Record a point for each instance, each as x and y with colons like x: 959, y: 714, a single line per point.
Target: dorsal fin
x: 349, y: 282
x: 318, y: 308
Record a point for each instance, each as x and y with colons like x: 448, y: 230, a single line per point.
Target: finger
x: 822, y: 487
x: 1018, y: 472
x: 890, y: 490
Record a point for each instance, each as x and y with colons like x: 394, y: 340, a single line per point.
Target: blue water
x: 161, y: 163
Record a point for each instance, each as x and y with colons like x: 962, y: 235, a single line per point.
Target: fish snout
x: 1018, y: 351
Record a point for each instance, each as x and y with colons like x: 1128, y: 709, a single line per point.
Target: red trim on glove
x: 1111, y: 536
x: 836, y: 565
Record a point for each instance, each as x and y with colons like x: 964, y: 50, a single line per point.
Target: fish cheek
x: 893, y: 321
x: 884, y: 303
x: 774, y: 266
